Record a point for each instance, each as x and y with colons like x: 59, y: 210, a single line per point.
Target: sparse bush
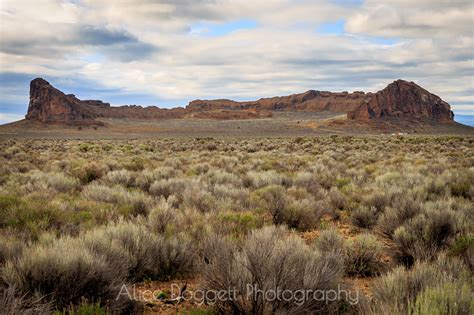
x: 364, y: 217
x: 10, y: 249
x: 148, y: 255
x: 270, y: 260
x: 272, y: 199
x: 267, y: 178
x: 63, y: 272
x: 135, y: 201
x: 90, y: 171
x: 463, y: 247
x: 120, y: 177
x: 302, y: 214
x: 161, y: 217
x: 424, y: 235
x: 393, y: 217
x: 308, y: 181
x: 363, y: 256
x: 397, y: 290
x: 199, y: 199
x: 338, y: 200
x: 448, y: 298
x: 330, y: 240
x: 145, y: 209
x: 377, y: 199
x: 55, y: 182
x: 61, y: 182
x: 167, y: 187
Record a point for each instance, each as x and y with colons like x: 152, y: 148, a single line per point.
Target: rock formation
x: 400, y: 100
x: 48, y: 104
x: 309, y: 101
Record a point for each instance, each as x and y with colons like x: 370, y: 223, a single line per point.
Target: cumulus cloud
x: 151, y: 49
x: 414, y: 19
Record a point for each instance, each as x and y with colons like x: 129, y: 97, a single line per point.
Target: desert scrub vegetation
x: 269, y: 260
x: 442, y: 286
x: 389, y: 211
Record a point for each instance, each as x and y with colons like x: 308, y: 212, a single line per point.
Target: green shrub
x: 446, y: 299
x: 363, y: 256
x: 463, y: 247
x: 30, y: 216
x: 460, y: 183
x: 237, y: 224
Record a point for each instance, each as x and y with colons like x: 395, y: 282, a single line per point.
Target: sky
x: 168, y: 52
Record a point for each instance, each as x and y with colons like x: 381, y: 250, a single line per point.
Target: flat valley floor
x: 282, y: 124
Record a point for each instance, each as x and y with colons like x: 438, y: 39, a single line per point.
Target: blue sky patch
x: 331, y: 28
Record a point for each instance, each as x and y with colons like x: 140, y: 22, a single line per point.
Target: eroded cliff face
x: 308, y: 101
x: 48, y: 104
x: 400, y: 99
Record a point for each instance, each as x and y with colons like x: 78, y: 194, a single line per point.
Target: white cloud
x: 146, y: 46
x: 413, y: 18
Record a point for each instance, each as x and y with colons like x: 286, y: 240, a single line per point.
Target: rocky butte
x: 400, y: 100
